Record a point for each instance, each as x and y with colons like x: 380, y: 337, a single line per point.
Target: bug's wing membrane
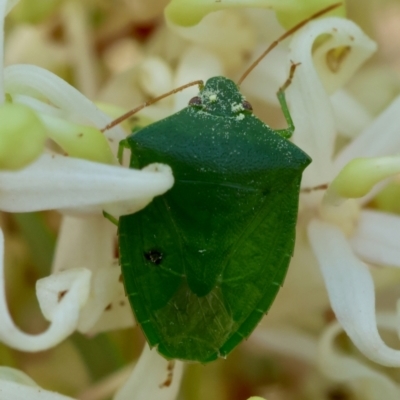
x: 250, y: 301
x: 182, y: 324
x: 149, y: 286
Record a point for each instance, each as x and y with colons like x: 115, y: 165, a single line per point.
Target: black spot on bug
x: 108, y: 308
x: 266, y: 191
x: 154, y: 256
x: 195, y: 101
x: 247, y: 106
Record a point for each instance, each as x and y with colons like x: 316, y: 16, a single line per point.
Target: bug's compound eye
x: 195, y: 101
x: 247, y: 106
x: 154, y: 256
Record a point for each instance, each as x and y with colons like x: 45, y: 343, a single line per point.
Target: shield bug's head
x: 221, y: 96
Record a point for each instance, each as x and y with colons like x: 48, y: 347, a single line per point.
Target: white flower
x: 342, y: 235
x: 76, y: 295
x: 84, y: 291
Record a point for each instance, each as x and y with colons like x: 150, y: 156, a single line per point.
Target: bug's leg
x: 323, y: 186
x: 123, y: 144
x: 288, y: 132
x: 110, y: 218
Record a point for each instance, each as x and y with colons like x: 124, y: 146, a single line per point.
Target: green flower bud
x: 22, y: 136
x: 79, y: 141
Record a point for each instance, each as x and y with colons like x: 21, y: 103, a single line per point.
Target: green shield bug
x: 203, y: 263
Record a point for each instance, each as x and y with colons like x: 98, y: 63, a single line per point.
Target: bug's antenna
x: 284, y: 36
x: 148, y: 103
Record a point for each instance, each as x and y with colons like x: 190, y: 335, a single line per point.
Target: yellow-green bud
x: 79, y: 141
x: 358, y: 177
x: 289, y: 12
x: 22, y: 136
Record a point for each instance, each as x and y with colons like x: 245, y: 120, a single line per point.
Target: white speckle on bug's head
x: 239, y: 117
x: 209, y: 95
x: 202, y: 251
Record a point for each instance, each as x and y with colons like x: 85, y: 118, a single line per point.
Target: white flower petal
x: 57, y: 182
x: 150, y: 377
x: 288, y: 341
x: 350, y: 116
x: 155, y: 76
x: 64, y: 315
x: 106, y: 387
x: 29, y: 79
x: 376, y: 239
x: 309, y: 102
x: 368, y: 383
x: 195, y: 63
x: 117, y: 315
x: 105, y: 286
x: 227, y: 33
x: 17, y: 376
x: 351, y: 291
x: 52, y: 289
x: 16, y: 385
x: 38, y: 105
x: 87, y: 242
x: 381, y: 138
x: 15, y: 391
x: 265, y: 80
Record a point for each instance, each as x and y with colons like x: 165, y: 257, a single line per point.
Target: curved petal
x: 152, y: 378
x: 350, y: 115
x: 15, y: 391
x: 58, y: 182
x: 310, y: 105
x: 116, y: 314
x: 376, y: 239
x: 16, y: 385
x: 351, y: 291
x: 89, y: 242
x: 105, y: 287
x: 73, y: 289
x: 380, y: 138
x: 30, y: 79
x: 344, y: 369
